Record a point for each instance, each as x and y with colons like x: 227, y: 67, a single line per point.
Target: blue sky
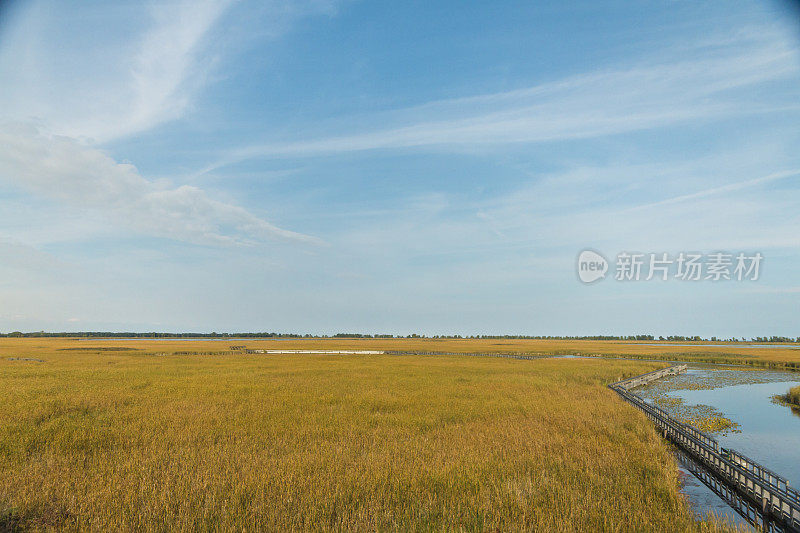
x: 384, y: 167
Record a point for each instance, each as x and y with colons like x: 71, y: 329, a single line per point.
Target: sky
x: 324, y: 166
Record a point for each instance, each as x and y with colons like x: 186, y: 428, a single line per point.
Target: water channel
x: 739, y: 403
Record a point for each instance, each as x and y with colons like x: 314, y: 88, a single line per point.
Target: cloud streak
x: 732, y: 187
x: 583, y: 106
x: 165, y: 70
x: 62, y: 169
x: 103, y: 91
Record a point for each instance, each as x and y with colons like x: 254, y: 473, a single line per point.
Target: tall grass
x: 129, y: 441
x: 793, y: 397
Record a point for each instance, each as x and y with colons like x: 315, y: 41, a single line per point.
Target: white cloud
x: 667, y: 205
x: 83, y: 92
x: 65, y: 170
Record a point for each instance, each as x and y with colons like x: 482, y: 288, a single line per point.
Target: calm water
x: 768, y: 433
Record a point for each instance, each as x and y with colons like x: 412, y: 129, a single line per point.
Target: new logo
x: 591, y: 266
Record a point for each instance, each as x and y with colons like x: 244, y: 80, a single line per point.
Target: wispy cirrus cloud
x: 664, y: 92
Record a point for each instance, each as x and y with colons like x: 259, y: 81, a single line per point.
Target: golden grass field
x: 124, y: 439
x: 703, y: 352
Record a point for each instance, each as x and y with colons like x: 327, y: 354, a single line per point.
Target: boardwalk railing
x: 761, y: 496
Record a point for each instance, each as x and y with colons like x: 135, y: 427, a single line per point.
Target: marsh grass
x: 793, y: 396
x: 785, y: 358
x: 790, y: 399
x: 124, y: 440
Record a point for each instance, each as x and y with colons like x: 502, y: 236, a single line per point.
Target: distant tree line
x: 273, y: 335
x: 156, y: 335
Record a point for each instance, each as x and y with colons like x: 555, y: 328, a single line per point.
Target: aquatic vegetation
x: 722, y: 377
x: 711, y: 420
x: 704, y: 417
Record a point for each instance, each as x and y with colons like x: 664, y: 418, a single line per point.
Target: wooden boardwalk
x: 761, y: 496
